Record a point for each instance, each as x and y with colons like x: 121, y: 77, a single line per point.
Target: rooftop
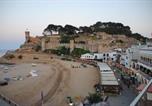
x: 108, y: 79
x: 104, y: 67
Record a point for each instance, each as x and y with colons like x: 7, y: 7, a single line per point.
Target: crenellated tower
x: 27, y: 36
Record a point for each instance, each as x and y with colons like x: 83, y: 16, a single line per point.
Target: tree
x: 86, y: 29
x: 63, y: 50
x: 65, y: 39
x: 77, y: 52
x: 139, y: 37
x: 70, y: 30
x: 95, y: 98
x: 60, y: 50
x: 108, y: 27
x: 37, y: 48
x: 52, y: 27
x: 20, y: 57
x: 9, y: 56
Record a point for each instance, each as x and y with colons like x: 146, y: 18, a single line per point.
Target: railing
x: 136, y: 101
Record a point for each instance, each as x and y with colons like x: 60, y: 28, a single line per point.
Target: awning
x: 110, y: 83
x: 141, y: 87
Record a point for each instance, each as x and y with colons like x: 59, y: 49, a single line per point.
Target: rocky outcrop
x: 31, y: 44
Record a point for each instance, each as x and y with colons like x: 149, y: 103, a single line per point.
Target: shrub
x: 37, y: 48
x: 79, y: 51
x: 94, y: 97
x: 9, y: 56
x: 35, y: 58
x: 119, y: 41
x: 20, y: 57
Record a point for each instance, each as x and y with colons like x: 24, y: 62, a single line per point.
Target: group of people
x: 129, y: 80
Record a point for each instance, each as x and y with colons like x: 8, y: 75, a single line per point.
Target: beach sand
x: 56, y: 78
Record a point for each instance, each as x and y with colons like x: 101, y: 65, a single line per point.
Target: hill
x: 99, y: 37
x: 107, y: 27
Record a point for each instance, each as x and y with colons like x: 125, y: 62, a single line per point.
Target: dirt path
x: 55, y: 95
x: 60, y: 95
x: 74, y: 82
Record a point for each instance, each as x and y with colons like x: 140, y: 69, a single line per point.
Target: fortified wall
x: 53, y: 42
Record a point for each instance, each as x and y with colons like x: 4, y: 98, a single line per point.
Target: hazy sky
x: 17, y: 15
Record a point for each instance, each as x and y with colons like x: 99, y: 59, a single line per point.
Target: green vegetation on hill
x: 77, y: 52
x: 111, y: 28
x: 59, y: 51
x: 67, y: 29
x: 65, y: 39
x: 108, y: 27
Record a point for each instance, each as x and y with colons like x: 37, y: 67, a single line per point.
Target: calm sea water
x: 2, y: 52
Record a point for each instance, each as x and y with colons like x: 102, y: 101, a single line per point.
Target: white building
x: 130, y: 54
x: 87, y: 56
x: 127, y: 57
x: 103, y: 57
x: 123, y: 60
x: 145, y: 60
x: 138, y: 57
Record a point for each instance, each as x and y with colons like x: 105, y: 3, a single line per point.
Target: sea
x: 2, y: 52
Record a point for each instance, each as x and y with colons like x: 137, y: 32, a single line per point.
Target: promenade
x: 126, y: 96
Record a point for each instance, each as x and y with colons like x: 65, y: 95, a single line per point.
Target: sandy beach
x: 57, y: 79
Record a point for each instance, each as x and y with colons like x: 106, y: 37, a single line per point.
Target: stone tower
x: 27, y: 36
x: 43, y: 44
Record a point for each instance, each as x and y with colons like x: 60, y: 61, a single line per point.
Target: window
x: 95, y: 56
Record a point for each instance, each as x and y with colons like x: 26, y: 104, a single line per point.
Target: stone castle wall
x: 54, y: 42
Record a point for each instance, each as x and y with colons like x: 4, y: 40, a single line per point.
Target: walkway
x: 126, y: 97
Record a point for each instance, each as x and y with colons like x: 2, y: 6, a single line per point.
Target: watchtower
x: 27, y: 36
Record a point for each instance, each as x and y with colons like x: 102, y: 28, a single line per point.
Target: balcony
x: 145, y: 63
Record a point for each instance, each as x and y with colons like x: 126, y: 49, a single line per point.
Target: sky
x: 18, y: 15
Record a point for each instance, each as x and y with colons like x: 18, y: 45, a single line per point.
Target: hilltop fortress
x: 99, y: 37
x: 97, y: 42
